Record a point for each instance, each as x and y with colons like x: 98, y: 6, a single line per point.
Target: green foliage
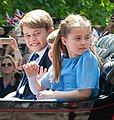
x: 98, y: 11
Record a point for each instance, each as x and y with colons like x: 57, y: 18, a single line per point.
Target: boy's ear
x: 51, y: 29
x: 63, y: 40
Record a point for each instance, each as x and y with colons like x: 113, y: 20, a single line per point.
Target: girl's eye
x: 77, y: 38
x: 88, y: 37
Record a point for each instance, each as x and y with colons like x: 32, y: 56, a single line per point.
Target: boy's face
x: 35, y: 39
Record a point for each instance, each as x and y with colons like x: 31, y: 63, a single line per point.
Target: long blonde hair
x: 66, y: 25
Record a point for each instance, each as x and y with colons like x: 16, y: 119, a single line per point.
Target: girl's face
x: 50, y: 53
x: 77, y: 41
x: 7, y: 66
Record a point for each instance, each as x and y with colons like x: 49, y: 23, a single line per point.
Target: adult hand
x: 13, y: 43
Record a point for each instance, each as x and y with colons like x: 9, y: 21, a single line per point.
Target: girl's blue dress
x: 76, y: 73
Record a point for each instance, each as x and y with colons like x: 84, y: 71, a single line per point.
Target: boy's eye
x: 27, y: 36
x: 34, y: 35
x: 37, y: 33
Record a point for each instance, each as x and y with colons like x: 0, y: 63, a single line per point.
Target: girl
x: 75, y: 72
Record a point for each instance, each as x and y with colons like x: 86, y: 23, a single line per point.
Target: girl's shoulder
x: 90, y: 57
x: 88, y: 53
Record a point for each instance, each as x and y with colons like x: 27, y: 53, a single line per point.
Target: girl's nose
x: 83, y: 41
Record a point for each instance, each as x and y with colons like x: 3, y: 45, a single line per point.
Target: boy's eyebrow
x: 37, y: 30
x: 25, y: 33
x: 33, y: 31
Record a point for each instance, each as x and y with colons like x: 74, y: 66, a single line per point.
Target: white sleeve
x: 43, y: 82
x: 33, y: 84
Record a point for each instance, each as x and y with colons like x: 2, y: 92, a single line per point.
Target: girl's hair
x: 37, y: 19
x: 66, y: 25
x: 9, y: 57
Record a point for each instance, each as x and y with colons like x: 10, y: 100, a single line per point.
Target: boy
x: 35, y: 25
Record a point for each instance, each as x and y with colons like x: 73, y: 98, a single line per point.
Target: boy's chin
x: 36, y: 49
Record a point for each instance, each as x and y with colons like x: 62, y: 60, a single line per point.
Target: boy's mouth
x: 34, y: 44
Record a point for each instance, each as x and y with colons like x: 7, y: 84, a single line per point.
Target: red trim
x: 55, y: 110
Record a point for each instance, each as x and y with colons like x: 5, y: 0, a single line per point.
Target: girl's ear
x: 63, y: 40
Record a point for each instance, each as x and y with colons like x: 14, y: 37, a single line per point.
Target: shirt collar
x: 40, y: 53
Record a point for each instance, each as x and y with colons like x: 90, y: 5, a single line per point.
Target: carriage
x: 101, y: 108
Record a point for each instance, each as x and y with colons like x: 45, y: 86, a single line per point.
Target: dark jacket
x: 9, y: 88
x: 23, y: 90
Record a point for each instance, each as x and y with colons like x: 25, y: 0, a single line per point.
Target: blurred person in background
x: 109, y: 28
x: 10, y: 76
x: 13, y: 50
x: 1, y: 31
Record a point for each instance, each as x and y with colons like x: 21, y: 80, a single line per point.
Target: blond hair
x: 37, y: 19
x: 9, y: 57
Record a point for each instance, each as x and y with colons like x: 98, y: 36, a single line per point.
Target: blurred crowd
x: 12, y: 56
